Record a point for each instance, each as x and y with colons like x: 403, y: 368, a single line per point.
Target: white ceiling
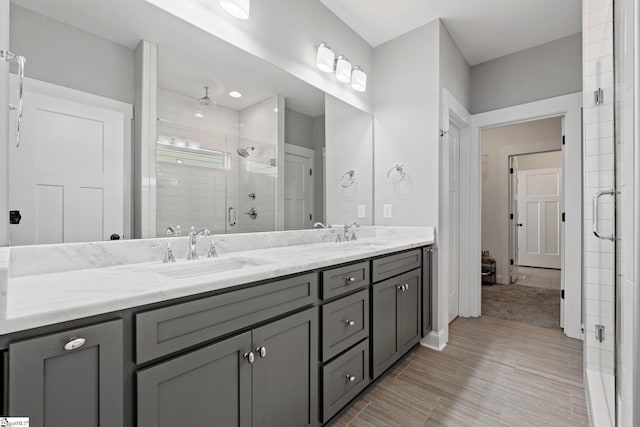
x: 188, y: 58
x: 482, y: 29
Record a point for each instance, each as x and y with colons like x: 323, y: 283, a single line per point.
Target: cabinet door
x: 385, y: 325
x: 207, y: 387
x: 409, y: 321
x: 285, y: 374
x: 80, y: 385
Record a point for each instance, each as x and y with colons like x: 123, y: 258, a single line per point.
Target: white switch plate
x: 387, y: 211
x: 362, y: 211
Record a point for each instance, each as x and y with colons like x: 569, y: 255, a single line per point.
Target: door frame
x: 452, y: 111
x: 74, y: 95
x: 570, y: 108
x: 296, y: 150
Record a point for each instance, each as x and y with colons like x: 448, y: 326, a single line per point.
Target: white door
x: 513, y: 219
x: 539, y: 204
x: 67, y: 176
x: 298, y: 188
x: 454, y: 232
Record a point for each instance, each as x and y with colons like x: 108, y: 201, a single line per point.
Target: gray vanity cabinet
x: 211, y: 386
x: 397, y: 323
x: 429, y: 262
x: 285, y: 372
x: 266, y: 377
x: 71, y: 379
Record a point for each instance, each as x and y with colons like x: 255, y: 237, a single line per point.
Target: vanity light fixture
x: 237, y: 8
x: 358, y: 79
x: 235, y: 94
x: 343, y: 69
x: 325, y: 58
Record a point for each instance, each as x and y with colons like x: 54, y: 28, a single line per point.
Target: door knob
x: 262, y: 351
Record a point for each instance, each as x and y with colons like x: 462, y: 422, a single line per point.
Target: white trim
x: 309, y: 153
x: 569, y: 107
x: 452, y: 111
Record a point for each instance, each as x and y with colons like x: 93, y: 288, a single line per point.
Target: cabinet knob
x: 262, y: 351
x: 405, y: 287
x: 250, y: 357
x: 350, y: 322
x: 350, y: 279
x: 75, y: 343
x: 350, y: 378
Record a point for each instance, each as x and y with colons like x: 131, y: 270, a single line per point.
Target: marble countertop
x: 45, y: 299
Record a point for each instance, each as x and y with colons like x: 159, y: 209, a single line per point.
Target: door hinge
x: 14, y: 217
x: 563, y: 216
x: 511, y: 262
x: 562, y: 294
x: 510, y: 216
x: 598, y: 96
x: 310, y: 217
x: 511, y: 170
x: 600, y: 333
x: 563, y: 140
x: 310, y: 172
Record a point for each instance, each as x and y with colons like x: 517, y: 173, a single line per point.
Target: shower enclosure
x: 216, y: 167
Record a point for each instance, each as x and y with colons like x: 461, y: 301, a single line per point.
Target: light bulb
x: 359, y: 79
x: 237, y: 8
x: 325, y: 59
x: 343, y: 70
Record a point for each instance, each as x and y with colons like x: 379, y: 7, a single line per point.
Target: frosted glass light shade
x: 237, y: 8
x: 325, y: 59
x: 343, y: 70
x: 358, y: 79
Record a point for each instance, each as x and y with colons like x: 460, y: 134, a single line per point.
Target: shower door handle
x: 20, y: 60
x: 596, y: 210
x: 232, y: 222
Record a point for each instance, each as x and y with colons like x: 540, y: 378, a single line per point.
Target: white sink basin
x: 209, y: 266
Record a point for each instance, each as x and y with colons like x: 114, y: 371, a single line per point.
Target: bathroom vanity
x: 291, y: 349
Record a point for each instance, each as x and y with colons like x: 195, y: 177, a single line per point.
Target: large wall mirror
x: 138, y: 125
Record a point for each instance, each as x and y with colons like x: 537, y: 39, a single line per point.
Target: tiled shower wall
x: 599, y: 163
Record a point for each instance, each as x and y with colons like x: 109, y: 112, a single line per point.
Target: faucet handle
x: 168, y: 254
x: 212, y: 250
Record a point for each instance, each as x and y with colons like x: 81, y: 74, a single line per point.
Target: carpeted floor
x: 524, y: 304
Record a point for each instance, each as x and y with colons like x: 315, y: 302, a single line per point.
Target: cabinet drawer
x: 344, y: 323
x: 344, y: 378
x: 344, y: 279
x: 390, y: 266
x: 170, y: 329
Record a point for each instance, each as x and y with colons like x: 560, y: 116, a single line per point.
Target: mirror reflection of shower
x: 244, y: 152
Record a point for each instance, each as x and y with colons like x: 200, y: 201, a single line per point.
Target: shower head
x: 205, y: 100
x: 244, y: 152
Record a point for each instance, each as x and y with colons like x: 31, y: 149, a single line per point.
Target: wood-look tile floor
x: 493, y: 372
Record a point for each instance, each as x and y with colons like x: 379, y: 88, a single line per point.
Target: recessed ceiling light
x: 235, y: 94
x: 237, y: 8
x: 275, y: 109
x: 199, y: 114
x: 179, y: 161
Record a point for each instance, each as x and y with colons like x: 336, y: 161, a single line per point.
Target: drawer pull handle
x: 75, y: 343
x: 350, y: 378
x: 250, y: 357
x: 350, y: 279
x: 350, y: 322
x: 262, y: 351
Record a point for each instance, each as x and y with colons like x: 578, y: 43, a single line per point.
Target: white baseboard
x: 600, y: 412
x: 434, y: 340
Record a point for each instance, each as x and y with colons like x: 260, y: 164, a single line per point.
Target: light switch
x: 362, y: 211
x: 387, y: 211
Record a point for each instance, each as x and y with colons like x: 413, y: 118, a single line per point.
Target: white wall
x: 4, y: 125
x: 552, y: 159
x: 286, y: 33
x: 406, y: 110
x: 60, y: 54
x: 497, y: 145
x: 349, y: 142
x: 319, y: 142
x: 541, y: 72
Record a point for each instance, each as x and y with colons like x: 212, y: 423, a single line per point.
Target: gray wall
x: 60, y: 54
x: 541, y: 72
x: 298, y: 129
x: 455, y: 73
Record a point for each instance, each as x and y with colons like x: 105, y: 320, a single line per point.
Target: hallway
x: 492, y: 372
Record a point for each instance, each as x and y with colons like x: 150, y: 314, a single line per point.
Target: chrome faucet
x: 173, y: 231
x: 321, y: 225
x: 353, y: 231
x: 193, y: 242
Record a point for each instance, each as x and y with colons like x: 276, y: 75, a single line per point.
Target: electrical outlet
x: 362, y: 211
x: 387, y: 211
